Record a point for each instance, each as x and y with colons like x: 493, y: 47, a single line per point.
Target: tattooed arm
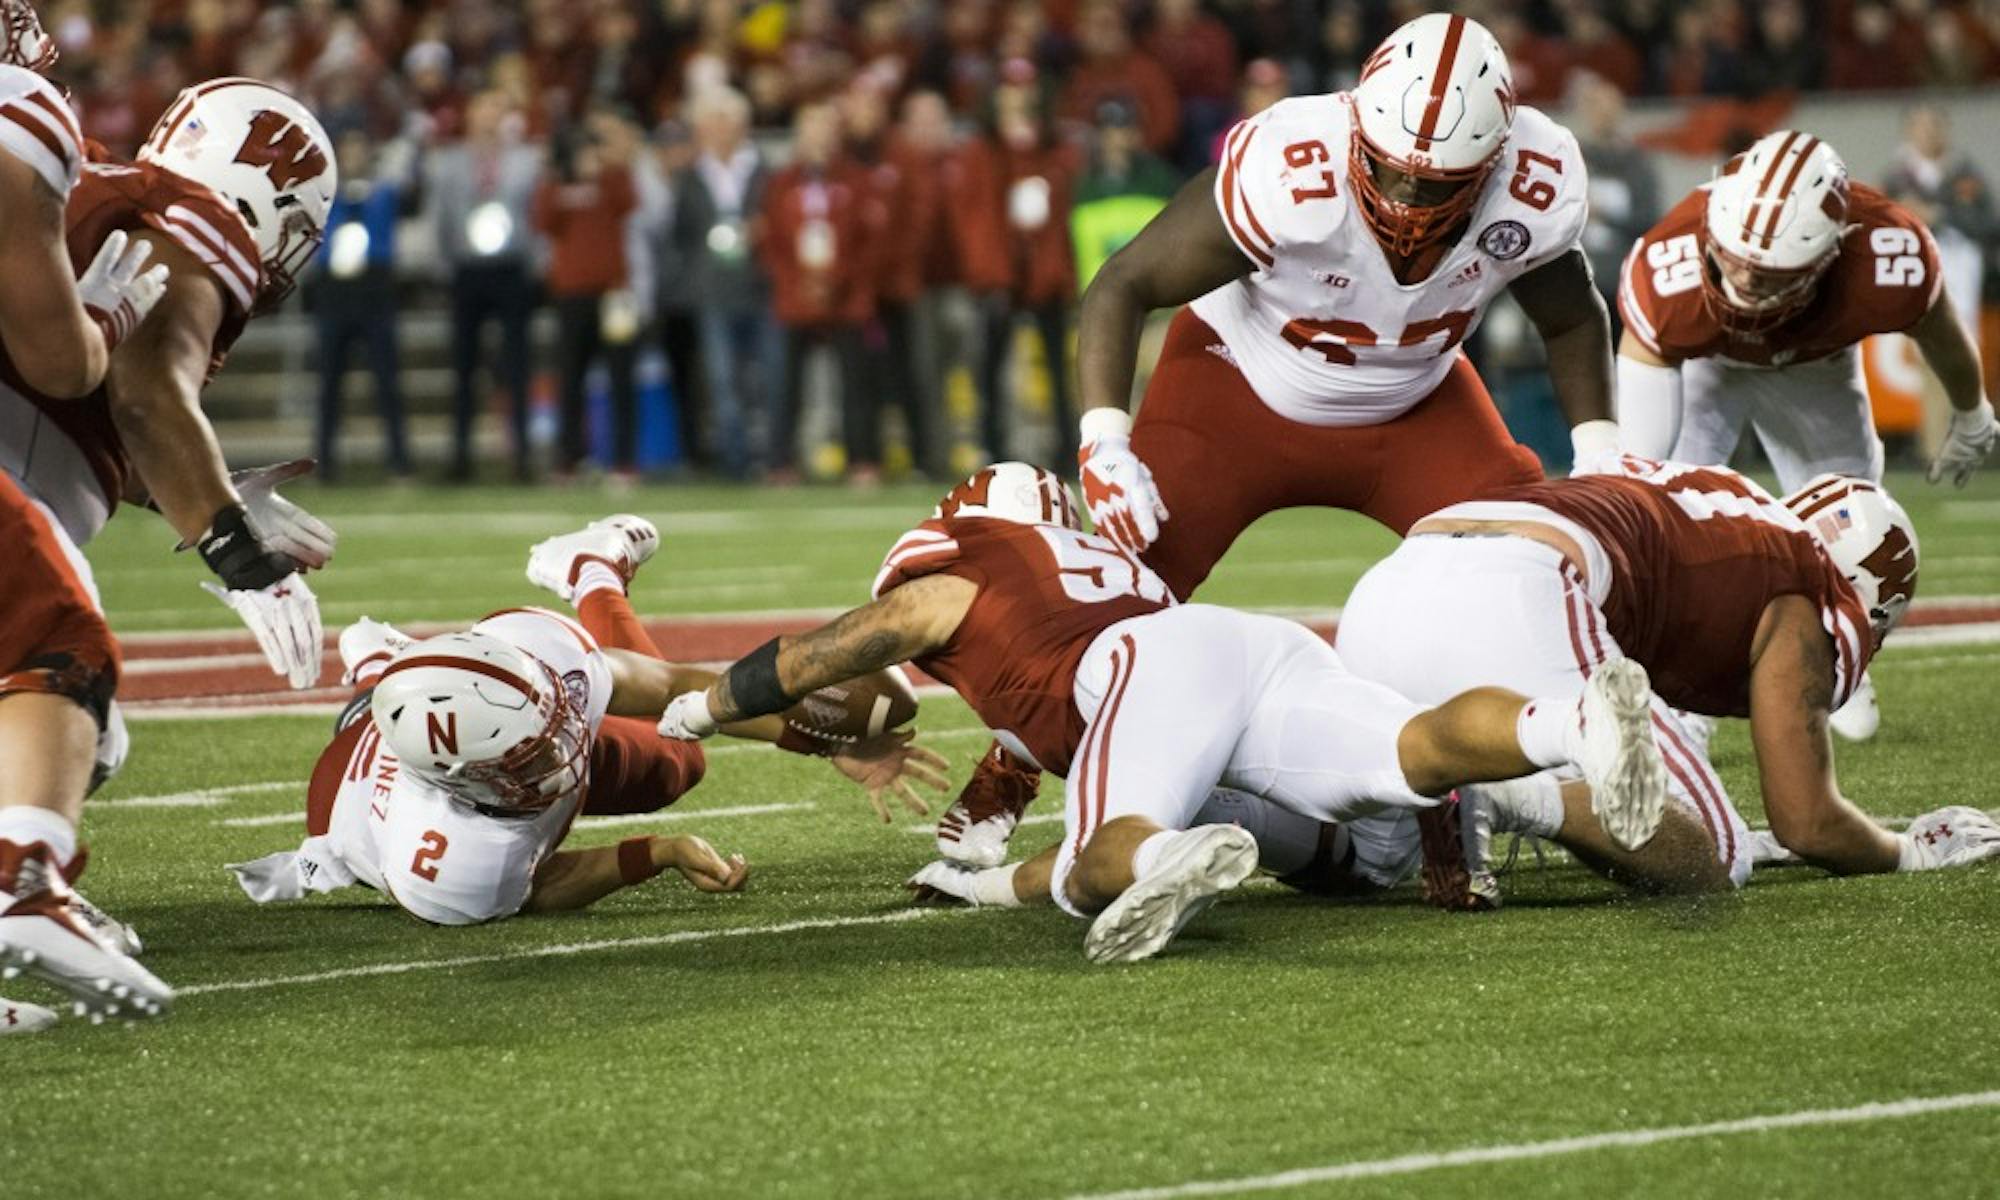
x: 913, y: 620
x: 1791, y: 695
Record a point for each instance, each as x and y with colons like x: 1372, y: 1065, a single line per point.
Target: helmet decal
x: 285, y: 151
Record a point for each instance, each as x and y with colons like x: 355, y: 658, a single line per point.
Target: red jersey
x: 1045, y: 593
x: 1697, y: 554
x: 1884, y: 278
x: 113, y: 196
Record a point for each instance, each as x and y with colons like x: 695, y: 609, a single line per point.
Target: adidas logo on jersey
x: 1469, y: 274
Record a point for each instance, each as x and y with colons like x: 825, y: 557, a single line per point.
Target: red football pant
x: 1221, y: 458
x: 632, y: 768
x: 53, y: 638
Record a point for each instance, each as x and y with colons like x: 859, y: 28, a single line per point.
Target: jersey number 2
x: 424, y: 865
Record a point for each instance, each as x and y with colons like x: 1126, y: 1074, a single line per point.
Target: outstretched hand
x: 893, y: 762
x: 701, y: 866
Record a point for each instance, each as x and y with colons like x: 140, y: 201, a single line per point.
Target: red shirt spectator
x: 1877, y: 56
x: 1012, y: 218
x: 818, y: 243
x: 1112, y: 70
x: 584, y: 222
x: 1540, y: 65
x: 1198, y: 51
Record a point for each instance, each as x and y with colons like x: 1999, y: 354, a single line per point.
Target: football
x: 856, y: 709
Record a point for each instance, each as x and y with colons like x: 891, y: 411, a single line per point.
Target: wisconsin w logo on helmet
x: 285, y: 151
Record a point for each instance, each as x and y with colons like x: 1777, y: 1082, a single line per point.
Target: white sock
x: 593, y: 576
x: 1533, y: 806
x: 1147, y: 856
x: 25, y: 825
x: 1541, y: 728
x: 994, y: 887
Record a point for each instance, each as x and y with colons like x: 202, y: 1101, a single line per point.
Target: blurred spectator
x: 715, y: 204
x: 1124, y: 188
x: 1876, y: 55
x: 1952, y: 58
x: 581, y: 207
x: 480, y: 192
x: 1026, y: 33
x: 946, y: 328
x: 623, y: 71
x: 1700, y: 57
x: 1624, y: 187
x: 959, y: 60
x: 1592, y: 42
x: 1343, y: 46
x: 1112, y: 69
x: 434, y: 98
x: 820, y: 224
x: 1014, y: 241
x: 1199, y: 55
x: 1540, y: 64
x: 1947, y: 192
x: 674, y: 303
x: 908, y: 204
x: 1265, y: 82
x: 353, y: 294
x: 1785, y: 56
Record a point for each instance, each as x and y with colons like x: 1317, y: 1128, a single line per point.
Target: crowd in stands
x: 893, y: 186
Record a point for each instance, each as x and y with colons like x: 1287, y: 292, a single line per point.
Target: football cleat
x: 1199, y: 865
x: 976, y: 828
x: 109, y: 929
x: 367, y: 646
x: 1859, y: 718
x: 18, y: 1016
x: 1457, y: 838
x: 41, y: 935
x: 1612, y: 744
x: 622, y: 542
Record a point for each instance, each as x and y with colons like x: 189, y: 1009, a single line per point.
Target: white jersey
x: 37, y: 127
x: 1321, y: 328
x: 437, y: 858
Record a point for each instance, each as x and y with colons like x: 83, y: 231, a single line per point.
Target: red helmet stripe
x: 1764, y: 186
x: 1440, y: 82
x: 458, y: 663
x: 1777, y: 204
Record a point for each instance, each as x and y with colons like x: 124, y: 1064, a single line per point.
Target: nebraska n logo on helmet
x: 1013, y: 491
x: 1772, y: 226
x: 485, y: 722
x: 264, y: 153
x: 1435, y: 103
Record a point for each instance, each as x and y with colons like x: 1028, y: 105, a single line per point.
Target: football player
x: 92, y: 367
x: 1330, y: 267
x: 1736, y: 603
x: 1746, y: 304
x: 456, y: 772
x: 1079, y: 659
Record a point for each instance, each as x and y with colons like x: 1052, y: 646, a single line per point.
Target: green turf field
x: 813, y: 1037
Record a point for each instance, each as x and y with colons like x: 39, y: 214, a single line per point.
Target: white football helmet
x: 27, y: 45
x: 1013, y: 491
x: 484, y: 721
x: 1870, y: 540
x: 1435, y: 102
x: 264, y: 153
x: 1773, y: 224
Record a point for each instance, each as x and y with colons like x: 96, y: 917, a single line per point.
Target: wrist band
x: 635, y: 860
x: 753, y: 683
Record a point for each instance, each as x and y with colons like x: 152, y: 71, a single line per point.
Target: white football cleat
x: 109, y: 929
x: 18, y: 1016
x: 623, y: 543
x: 1199, y: 865
x: 1612, y: 744
x: 41, y: 935
x: 1859, y: 718
x: 977, y: 827
x: 367, y: 646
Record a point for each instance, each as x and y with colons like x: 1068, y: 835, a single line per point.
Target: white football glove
x: 1594, y: 448
x: 117, y: 289
x: 687, y: 717
x: 285, y: 617
x: 1967, y: 444
x: 1117, y: 488
x: 279, y: 524
x: 1950, y: 837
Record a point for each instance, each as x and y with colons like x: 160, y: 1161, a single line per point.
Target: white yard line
x: 200, y: 797
x: 558, y: 951
x: 1411, y: 1164
x: 689, y: 814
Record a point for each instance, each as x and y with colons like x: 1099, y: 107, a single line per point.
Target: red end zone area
x: 223, y: 672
